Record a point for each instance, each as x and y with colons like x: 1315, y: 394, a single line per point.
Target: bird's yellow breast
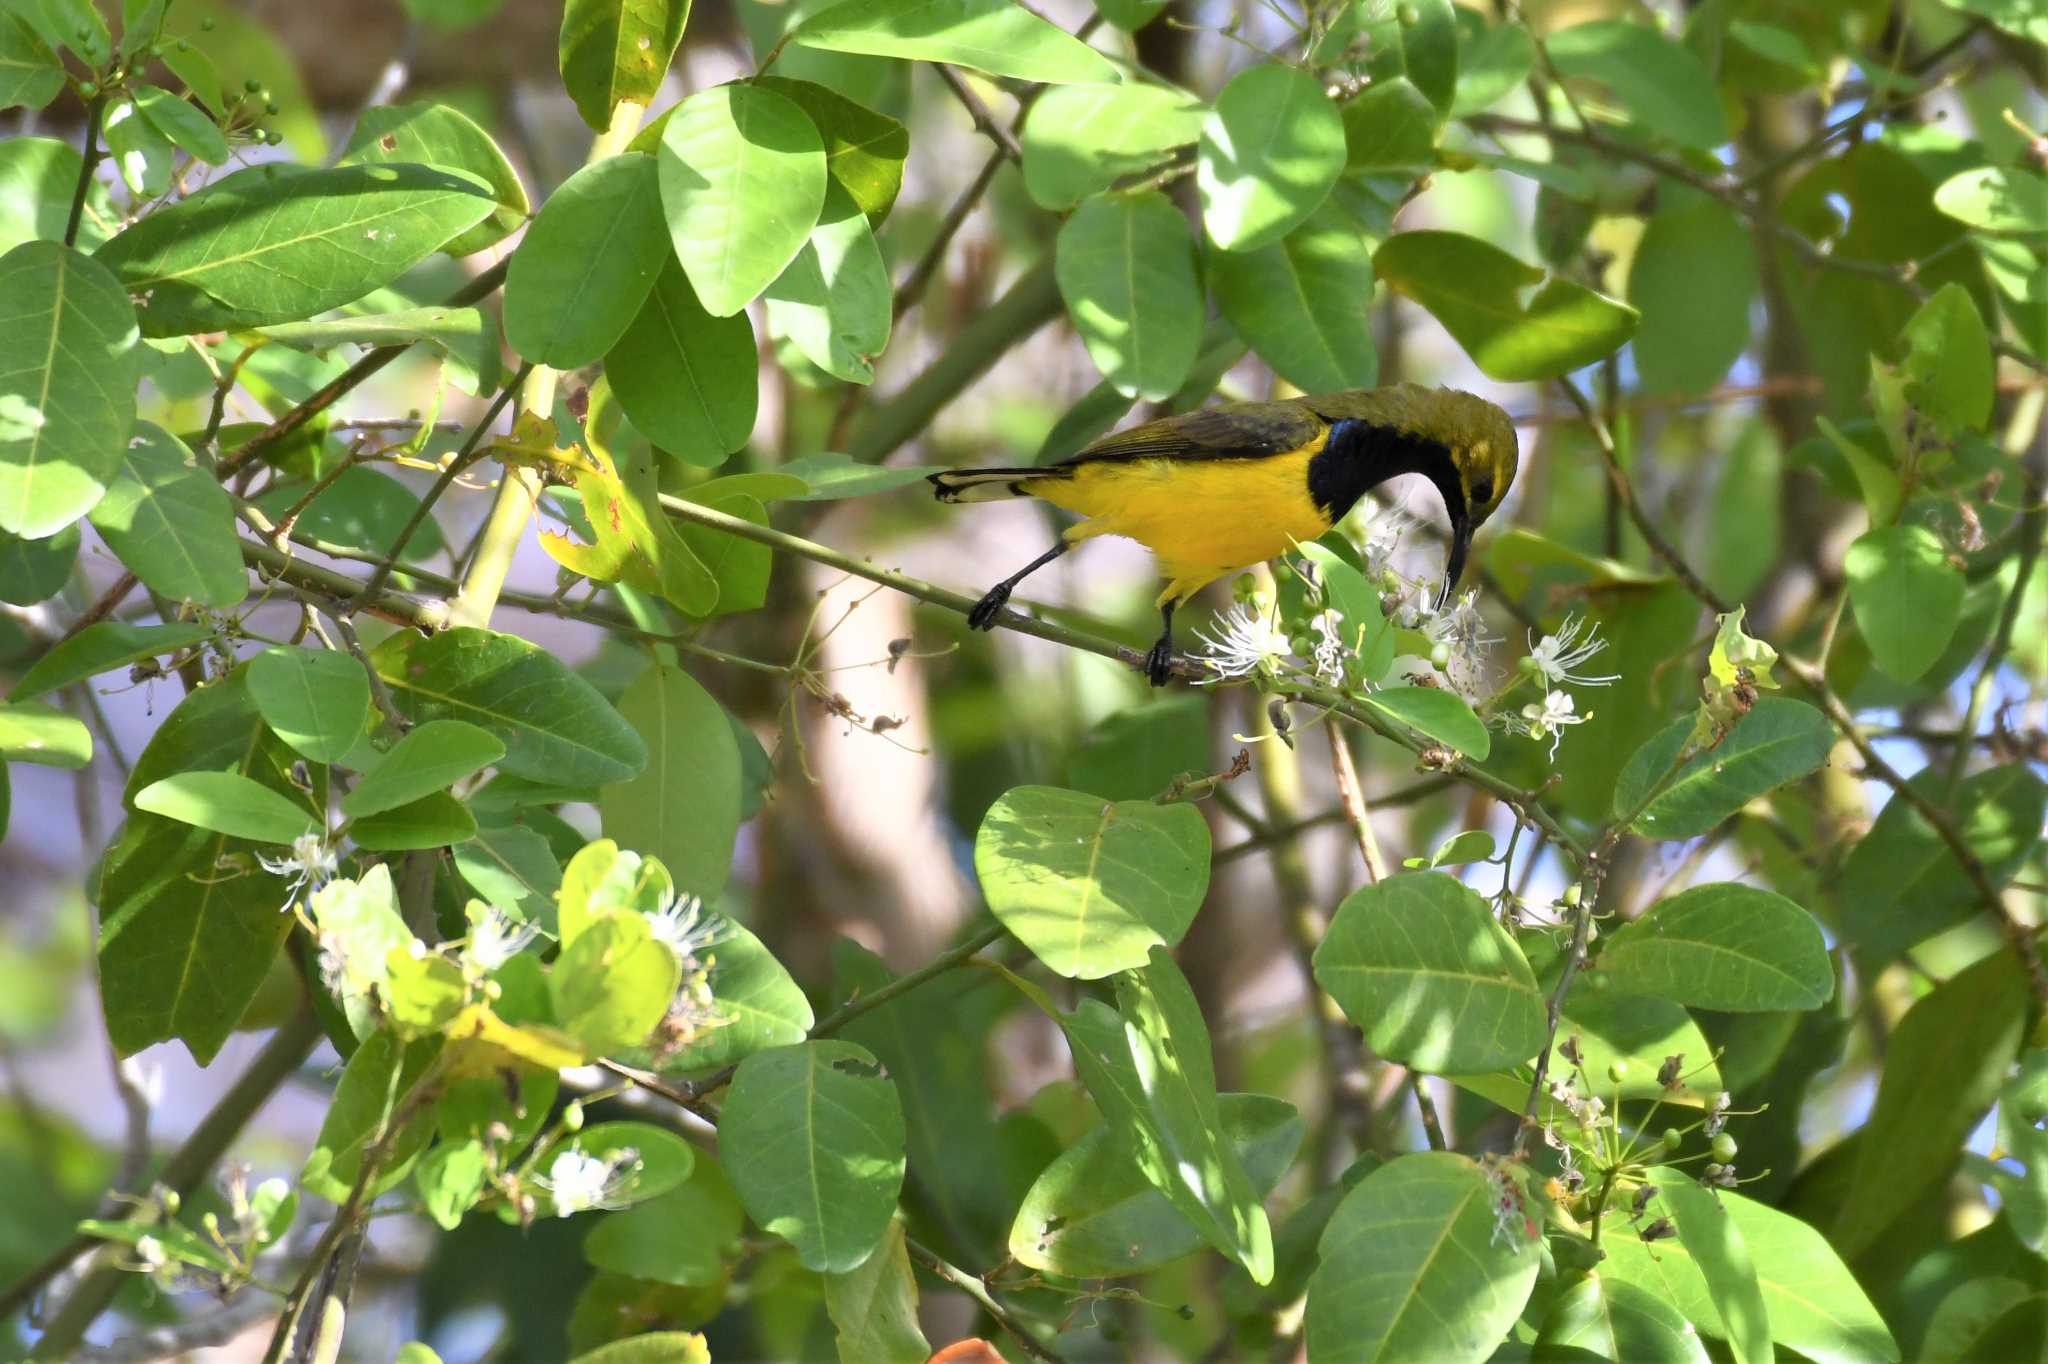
x: 1203, y: 518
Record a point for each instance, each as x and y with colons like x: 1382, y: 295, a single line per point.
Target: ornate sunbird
x: 1218, y: 490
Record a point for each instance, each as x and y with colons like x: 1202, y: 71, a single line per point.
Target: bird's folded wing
x: 1240, y: 431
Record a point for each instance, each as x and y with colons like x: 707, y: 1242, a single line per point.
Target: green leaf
x: 1613, y: 1319
x: 1092, y: 1215
x: 1412, y: 1267
x: 1723, y: 946
x: 613, y: 982
x: 165, y: 906
x: 437, y: 135
x: 1691, y: 336
x: 31, y: 732
x: 1943, y: 1066
x: 1078, y: 140
x: 1091, y: 886
x: 1305, y: 304
x: 430, y: 758
x: 435, y: 821
x: 1390, y: 127
x: 278, y: 243
x: 655, y: 1347
x: 1437, y: 714
x: 102, y: 647
x: 1125, y: 265
x: 995, y: 36
x: 660, y: 1161
x: 373, y: 1089
x: 1473, y: 845
x: 684, y: 806
x: 315, y: 700
x: 834, y: 302
x: 739, y: 568
x: 829, y: 477
x: 1271, y: 149
x: 1710, y: 1236
x: 1996, y: 199
x: 69, y: 363
x: 1420, y: 963
x: 30, y: 74
x: 1814, y: 1303
x: 1490, y: 64
x: 689, y: 381
x: 1780, y: 740
x: 184, y: 124
x: 874, y: 1307
x: 680, y: 1237
x: 742, y: 173
x: 33, y: 571
x: 812, y: 1136
x: 554, y: 725
x: 451, y: 1179
x: 1657, y: 82
x: 585, y: 266
x: 363, y: 509
x: 1878, y: 480
x: 1950, y: 372
x: 864, y: 150
x: 171, y: 523
x: 1908, y: 597
x: 466, y: 337
x: 617, y: 50
x: 1135, y: 754
x: 1148, y: 1064
x: 227, y: 803
x: 1418, y: 41
x: 511, y: 866
x: 1476, y: 290
x: 1902, y: 884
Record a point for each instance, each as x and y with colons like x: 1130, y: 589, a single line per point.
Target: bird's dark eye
x: 1482, y: 491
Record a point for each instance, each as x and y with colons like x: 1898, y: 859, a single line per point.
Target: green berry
x: 1440, y: 656
x: 252, y: 85
x: 1408, y: 15
x: 1724, y: 1148
x: 1671, y: 1140
x: 206, y: 24
x: 271, y: 108
x: 572, y: 1118
x: 272, y: 136
x: 1618, y: 1071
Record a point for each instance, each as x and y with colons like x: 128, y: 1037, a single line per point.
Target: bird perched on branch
x: 1218, y: 490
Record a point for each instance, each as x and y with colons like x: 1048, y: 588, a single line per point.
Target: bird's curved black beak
x: 1452, y: 491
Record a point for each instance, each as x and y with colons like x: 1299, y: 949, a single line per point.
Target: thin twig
x: 93, y: 109
x: 974, y: 1288
x: 1352, y: 797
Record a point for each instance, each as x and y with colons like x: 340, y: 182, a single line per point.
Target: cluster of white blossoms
x: 495, y: 937
x: 1251, y: 642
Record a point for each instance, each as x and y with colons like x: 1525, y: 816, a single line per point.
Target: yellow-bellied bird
x: 1218, y: 490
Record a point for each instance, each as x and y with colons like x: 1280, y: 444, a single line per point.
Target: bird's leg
x: 1159, y: 662
x: 983, y: 616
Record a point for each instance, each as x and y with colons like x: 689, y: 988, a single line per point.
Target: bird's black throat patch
x: 1358, y: 456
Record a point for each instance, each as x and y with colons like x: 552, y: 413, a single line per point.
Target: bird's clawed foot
x: 1159, y: 661
x: 983, y: 616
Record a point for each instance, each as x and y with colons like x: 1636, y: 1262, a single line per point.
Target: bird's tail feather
x: 989, y: 485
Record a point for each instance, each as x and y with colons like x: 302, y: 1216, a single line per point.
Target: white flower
x: 1460, y: 644
x: 1331, y: 651
x: 495, y: 937
x: 681, y: 927
x: 577, y: 1181
x: 1550, y: 719
x: 1555, y: 656
x: 311, y: 864
x: 1382, y: 537
x: 1246, y: 642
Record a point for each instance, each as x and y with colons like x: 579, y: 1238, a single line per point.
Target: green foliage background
x: 482, y: 665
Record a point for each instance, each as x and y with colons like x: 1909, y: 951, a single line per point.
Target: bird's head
x: 1480, y: 441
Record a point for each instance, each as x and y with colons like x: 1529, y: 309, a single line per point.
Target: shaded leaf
x: 585, y: 266
x: 1780, y: 740
x: 995, y: 36
x: 1723, y: 946
x: 316, y: 700
x: 689, y: 381
x: 617, y: 50
x: 683, y: 806
x: 1126, y: 268
x: 1908, y: 596
x: 1080, y: 140
x: 1270, y: 151
x: 102, y: 647
x: 437, y: 135
x: 171, y: 523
